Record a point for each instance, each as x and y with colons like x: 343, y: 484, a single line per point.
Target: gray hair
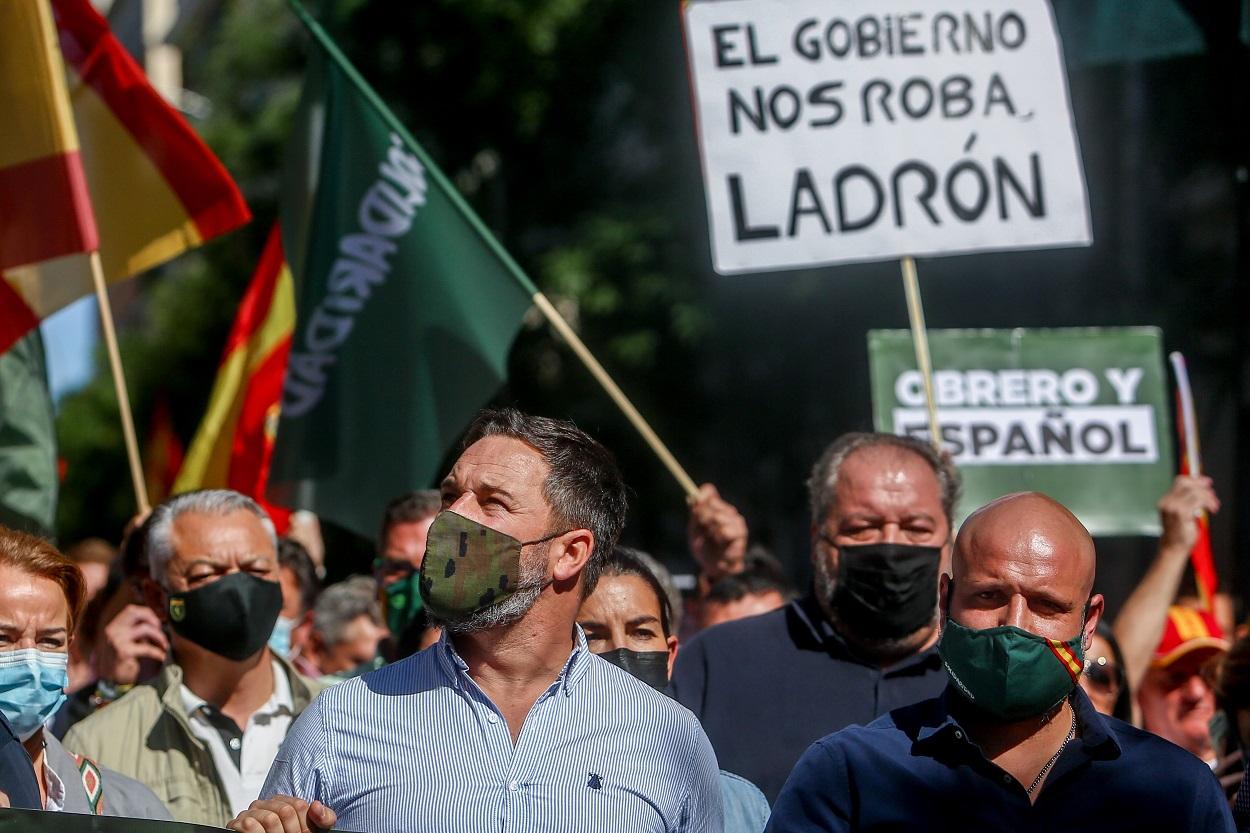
x: 341, y: 604
x: 822, y: 486
x: 158, y: 529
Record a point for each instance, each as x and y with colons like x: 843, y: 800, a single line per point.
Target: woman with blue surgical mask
x: 41, y: 599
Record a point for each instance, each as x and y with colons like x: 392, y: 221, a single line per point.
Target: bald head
x: 1024, y: 560
x: 1032, y: 527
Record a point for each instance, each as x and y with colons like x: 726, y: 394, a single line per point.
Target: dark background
x: 567, y: 124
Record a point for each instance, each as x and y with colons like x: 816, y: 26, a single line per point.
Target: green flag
x: 28, y: 477
x: 406, y: 306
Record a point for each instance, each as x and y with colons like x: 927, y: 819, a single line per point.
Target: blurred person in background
x: 717, y: 535
x: 298, y: 576
x: 1140, y: 624
x: 343, y: 632
x: 1103, y: 678
x: 401, y: 551
x: 628, y: 620
x: 1175, y: 696
x: 1231, y: 683
x: 761, y: 587
x: 121, y: 636
x: 42, y: 596
x: 204, y: 732
x: 94, y: 557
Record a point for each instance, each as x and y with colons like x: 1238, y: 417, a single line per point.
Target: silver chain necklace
x: 1046, y: 768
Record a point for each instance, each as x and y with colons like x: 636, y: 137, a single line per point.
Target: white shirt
x: 56, y: 789
x: 263, y: 734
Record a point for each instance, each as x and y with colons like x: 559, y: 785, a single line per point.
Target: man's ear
x: 1097, y: 604
x: 572, y: 552
x: 155, y: 597
x: 944, y: 593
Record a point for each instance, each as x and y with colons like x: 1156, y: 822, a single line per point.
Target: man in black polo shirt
x: 1013, y: 743
x: 862, y: 642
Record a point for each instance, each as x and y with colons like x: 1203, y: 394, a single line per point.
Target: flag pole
x: 562, y: 327
x: 1200, y: 556
x: 1189, y: 421
x: 920, y: 340
x: 544, y: 305
x: 119, y: 384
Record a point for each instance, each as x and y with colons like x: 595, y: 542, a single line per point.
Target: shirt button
x: 959, y: 735
x: 514, y: 786
x: 235, y: 743
x: 491, y: 717
x: 1006, y: 779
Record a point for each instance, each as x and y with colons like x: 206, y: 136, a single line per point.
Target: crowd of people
x: 505, y: 663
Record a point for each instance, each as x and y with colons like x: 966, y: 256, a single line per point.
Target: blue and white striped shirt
x: 418, y: 746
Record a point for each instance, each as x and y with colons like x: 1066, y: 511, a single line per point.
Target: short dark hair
x: 584, y: 488
x: 408, y: 508
x: 761, y: 574
x: 626, y: 561
x: 822, y: 486
x: 292, y: 556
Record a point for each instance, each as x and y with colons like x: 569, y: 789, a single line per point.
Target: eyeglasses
x: 1103, y: 674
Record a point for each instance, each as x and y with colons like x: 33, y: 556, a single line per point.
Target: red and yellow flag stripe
x: 235, y: 440
x: 45, y: 210
x: 156, y: 187
x: 1066, y: 658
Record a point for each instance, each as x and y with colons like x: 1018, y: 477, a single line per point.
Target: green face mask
x: 1008, y: 672
x: 469, y: 567
x: 403, y: 603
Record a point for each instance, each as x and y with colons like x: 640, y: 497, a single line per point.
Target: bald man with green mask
x: 1013, y: 743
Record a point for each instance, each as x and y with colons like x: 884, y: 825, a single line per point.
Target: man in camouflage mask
x: 477, y: 578
x: 531, y: 509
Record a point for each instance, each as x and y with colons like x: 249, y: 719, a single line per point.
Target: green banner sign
x: 1078, y: 414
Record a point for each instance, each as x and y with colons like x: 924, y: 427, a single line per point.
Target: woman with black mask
x: 628, y: 621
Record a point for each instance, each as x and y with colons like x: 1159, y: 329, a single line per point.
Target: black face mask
x: 886, y: 591
x: 233, y: 616
x: 649, y: 666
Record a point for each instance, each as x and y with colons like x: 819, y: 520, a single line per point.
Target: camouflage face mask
x: 469, y: 567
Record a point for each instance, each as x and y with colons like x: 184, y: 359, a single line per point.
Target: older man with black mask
x: 508, y: 722
x: 204, y: 732
x: 862, y: 642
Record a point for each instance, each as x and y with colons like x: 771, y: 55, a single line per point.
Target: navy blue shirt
x: 767, y: 687
x: 915, y: 769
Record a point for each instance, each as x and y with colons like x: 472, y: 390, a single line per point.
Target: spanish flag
x: 235, y: 440
x: 45, y: 210
x: 156, y: 187
x: 1202, y: 558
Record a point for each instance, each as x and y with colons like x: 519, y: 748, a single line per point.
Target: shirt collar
x: 56, y: 788
x: 575, y: 667
x: 937, y: 727
x: 279, y: 700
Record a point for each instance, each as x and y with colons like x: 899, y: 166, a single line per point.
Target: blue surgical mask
x: 280, y: 639
x: 32, y: 688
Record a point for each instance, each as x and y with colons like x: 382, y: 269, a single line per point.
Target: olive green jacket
x: 147, y: 736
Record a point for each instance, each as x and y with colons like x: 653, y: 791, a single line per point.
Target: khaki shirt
x: 147, y: 736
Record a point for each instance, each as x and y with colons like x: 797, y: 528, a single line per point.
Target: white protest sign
x: 850, y: 130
